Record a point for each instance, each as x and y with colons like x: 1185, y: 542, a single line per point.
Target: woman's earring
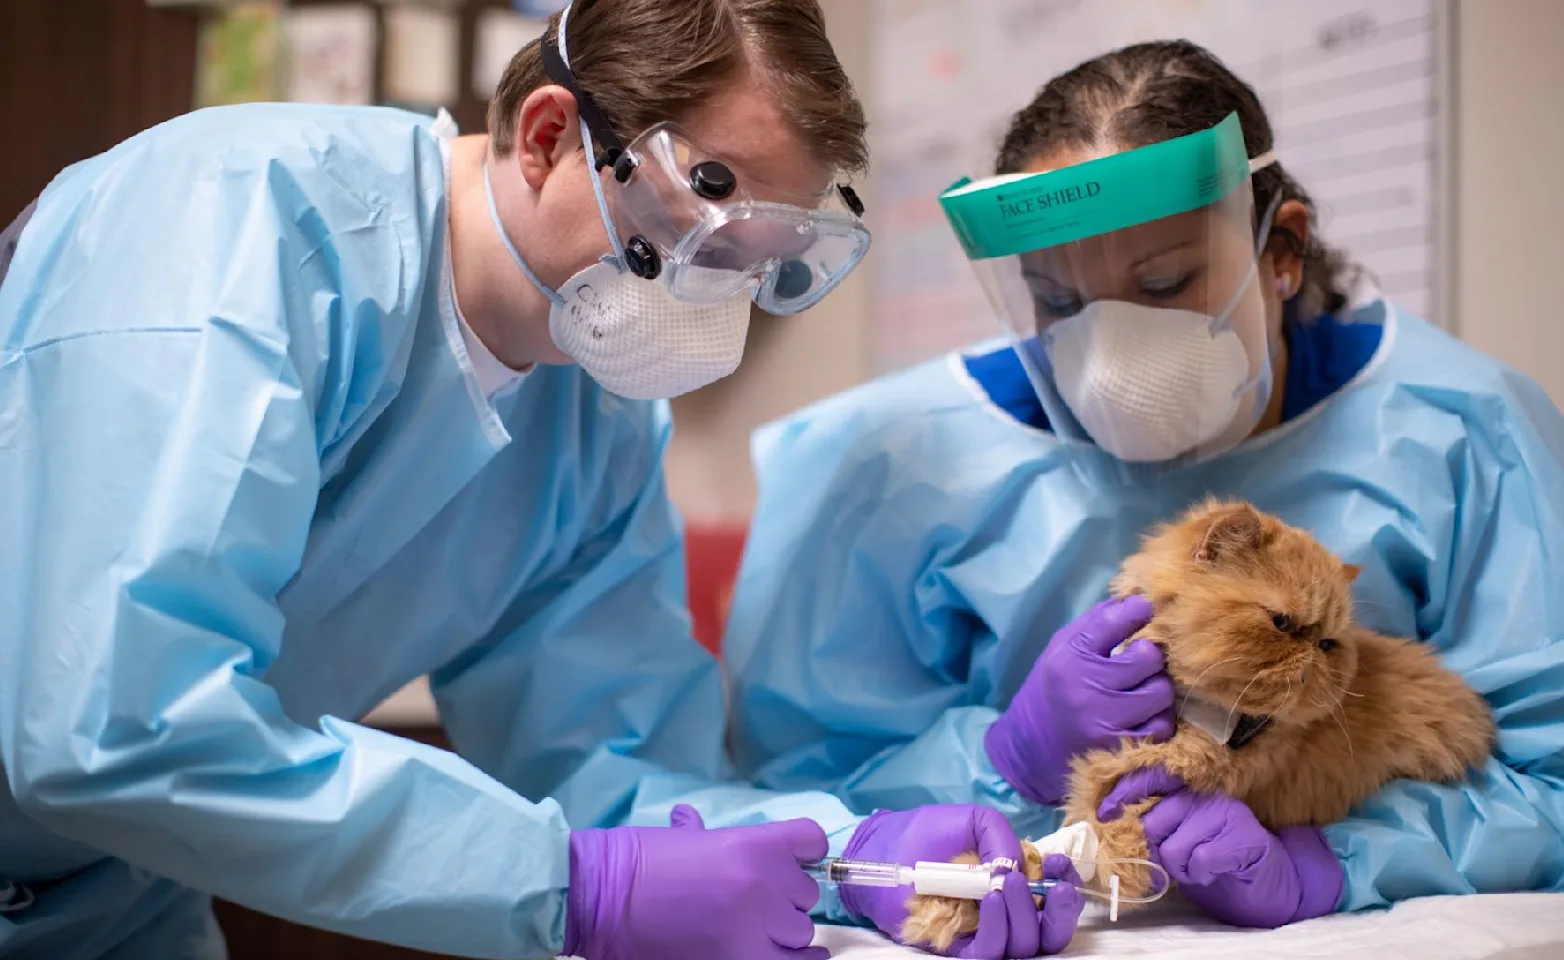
x: 1284, y: 285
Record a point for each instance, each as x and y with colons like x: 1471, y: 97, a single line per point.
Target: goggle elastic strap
x: 556, y: 63
x: 594, y: 127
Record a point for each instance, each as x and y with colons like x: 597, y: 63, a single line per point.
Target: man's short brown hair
x: 645, y: 61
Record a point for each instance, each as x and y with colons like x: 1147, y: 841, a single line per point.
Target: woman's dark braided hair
x: 1151, y: 92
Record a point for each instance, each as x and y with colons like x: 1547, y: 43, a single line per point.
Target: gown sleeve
x: 592, y: 689
x: 159, y: 490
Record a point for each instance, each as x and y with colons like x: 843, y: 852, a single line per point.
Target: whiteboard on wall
x: 1354, y: 90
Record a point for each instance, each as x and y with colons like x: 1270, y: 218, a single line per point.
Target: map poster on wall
x: 1351, y: 87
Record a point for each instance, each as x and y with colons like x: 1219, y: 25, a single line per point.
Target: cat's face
x: 1252, y: 613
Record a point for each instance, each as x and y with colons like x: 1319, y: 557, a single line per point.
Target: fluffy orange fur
x: 1256, y: 616
x: 937, y: 921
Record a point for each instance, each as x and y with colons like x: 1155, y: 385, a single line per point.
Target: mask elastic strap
x: 1265, y: 226
x: 618, y: 257
x: 1256, y: 164
x: 499, y: 227
x: 1220, y: 319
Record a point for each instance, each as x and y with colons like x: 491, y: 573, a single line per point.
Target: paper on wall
x: 500, y: 33
x: 421, y: 55
x: 330, y: 54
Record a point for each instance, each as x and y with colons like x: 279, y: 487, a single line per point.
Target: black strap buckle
x: 850, y: 197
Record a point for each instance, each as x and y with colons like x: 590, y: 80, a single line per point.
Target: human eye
x: 1058, y: 307
x: 1166, y: 288
x: 1053, y: 300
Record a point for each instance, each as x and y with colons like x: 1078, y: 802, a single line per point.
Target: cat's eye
x: 1283, y: 622
x: 1327, y: 645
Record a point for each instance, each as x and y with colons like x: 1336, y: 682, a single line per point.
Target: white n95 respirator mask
x: 637, y: 341
x: 1151, y: 384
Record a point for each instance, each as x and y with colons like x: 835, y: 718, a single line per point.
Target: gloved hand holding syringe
x: 975, y: 881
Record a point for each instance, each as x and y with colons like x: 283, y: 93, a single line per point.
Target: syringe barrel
x: 857, y: 873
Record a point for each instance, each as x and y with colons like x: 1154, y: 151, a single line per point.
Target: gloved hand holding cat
x: 1079, y: 696
x: 1224, y: 860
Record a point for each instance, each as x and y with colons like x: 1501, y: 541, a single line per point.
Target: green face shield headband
x: 1018, y: 213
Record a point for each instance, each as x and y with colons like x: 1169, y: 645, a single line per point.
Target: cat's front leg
x: 1093, y: 777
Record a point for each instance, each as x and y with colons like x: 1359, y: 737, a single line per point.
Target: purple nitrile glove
x: 1009, y: 924
x: 1078, y: 698
x: 659, y: 893
x: 1224, y: 861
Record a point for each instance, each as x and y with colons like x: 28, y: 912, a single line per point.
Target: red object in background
x: 711, y: 555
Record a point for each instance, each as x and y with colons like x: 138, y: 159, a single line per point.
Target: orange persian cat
x: 1255, y: 619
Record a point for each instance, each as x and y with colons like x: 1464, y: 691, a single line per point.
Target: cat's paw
x: 1033, y: 861
x: 1125, y: 838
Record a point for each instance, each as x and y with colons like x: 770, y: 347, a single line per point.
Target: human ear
x: 546, y: 133
x: 1289, y: 234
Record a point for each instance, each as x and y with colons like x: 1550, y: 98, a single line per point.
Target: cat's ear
x: 1351, y: 571
x: 1232, y: 532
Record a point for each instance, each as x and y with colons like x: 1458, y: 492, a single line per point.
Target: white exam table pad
x: 1522, y: 926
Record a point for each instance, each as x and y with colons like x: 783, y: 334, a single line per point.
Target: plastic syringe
x: 960, y: 880
x: 968, y: 881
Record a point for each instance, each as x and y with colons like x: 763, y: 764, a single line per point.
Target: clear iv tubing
x: 868, y: 873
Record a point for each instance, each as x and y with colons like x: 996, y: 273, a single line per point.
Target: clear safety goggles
x: 1129, y: 287
x: 684, y: 216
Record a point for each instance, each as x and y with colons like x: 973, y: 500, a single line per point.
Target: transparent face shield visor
x: 1129, y: 288
x: 685, y: 217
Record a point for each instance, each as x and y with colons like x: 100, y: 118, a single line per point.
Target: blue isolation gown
x: 251, y: 486
x: 920, y: 538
